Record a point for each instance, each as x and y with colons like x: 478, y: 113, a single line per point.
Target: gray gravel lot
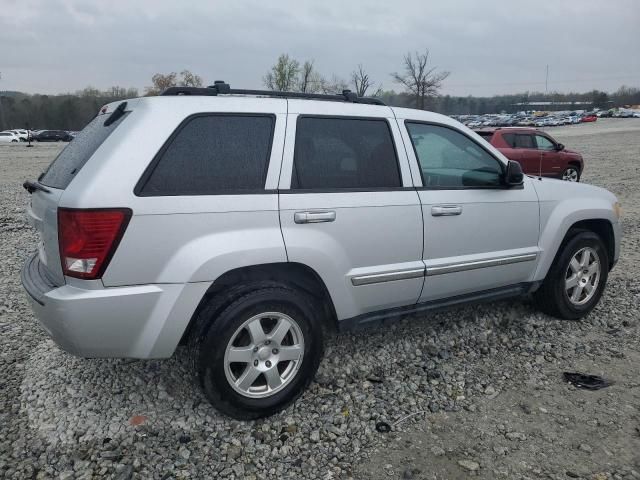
x: 484, y: 383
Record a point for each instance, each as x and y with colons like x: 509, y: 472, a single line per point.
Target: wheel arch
x: 600, y: 226
x: 237, y: 281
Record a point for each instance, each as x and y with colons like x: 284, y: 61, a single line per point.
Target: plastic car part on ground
x: 585, y: 381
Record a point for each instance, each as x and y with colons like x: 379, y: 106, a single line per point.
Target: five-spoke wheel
x: 582, y: 276
x: 259, y: 350
x: 264, y: 354
x: 576, y: 279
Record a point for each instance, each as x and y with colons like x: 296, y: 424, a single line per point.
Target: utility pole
x: 1, y: 111
x: 546, y: 82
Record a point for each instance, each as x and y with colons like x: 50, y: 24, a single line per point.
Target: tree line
x: 419, y: 82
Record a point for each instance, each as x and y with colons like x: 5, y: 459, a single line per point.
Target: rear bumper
x: 142, y: 321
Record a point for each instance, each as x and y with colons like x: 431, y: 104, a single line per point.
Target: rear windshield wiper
x: 31, y: 186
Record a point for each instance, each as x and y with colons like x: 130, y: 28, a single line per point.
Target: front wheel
x: 575, y: 282
x: 571, y: 174
x: 260, y: 353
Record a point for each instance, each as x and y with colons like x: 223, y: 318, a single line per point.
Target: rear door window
x: 70, y: 160
x: 510, y: 139
x: 344, y: 153
x: 212, y: 154
x: 525, y: 141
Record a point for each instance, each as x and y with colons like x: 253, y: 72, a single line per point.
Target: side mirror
x: 559, y: 147
x: 514, y: 176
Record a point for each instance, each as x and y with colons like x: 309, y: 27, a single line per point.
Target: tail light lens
x: 89, y: 238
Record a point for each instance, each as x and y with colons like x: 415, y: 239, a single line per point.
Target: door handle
x: 445, y: 210
x: 314, y: 216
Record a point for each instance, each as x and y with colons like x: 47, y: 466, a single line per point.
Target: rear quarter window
x: 70, y: 160
x: 212, y: 154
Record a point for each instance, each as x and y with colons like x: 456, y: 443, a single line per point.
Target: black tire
x: 217, y: 327
x: 569, y: 170
x: 552, y: 297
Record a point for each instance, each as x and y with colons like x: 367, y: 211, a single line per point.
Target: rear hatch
x: 48, y: 190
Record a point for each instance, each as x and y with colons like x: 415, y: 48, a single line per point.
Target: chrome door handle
x: 314, y: 216
x: 445, y: 210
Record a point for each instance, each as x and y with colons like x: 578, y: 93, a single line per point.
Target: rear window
x: 486, y: 135
x: 212, y: 154
x: 70, y: 160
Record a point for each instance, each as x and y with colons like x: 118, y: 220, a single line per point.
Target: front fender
x: 557, y: 217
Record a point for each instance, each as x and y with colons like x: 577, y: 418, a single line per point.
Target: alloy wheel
x: 570, y: 175
x: 582, y: 276
x: 264, y: 355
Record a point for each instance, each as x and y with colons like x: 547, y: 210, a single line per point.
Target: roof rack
x: 221, y: 88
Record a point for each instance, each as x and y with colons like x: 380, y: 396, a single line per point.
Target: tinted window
x: 449, y: 159
x: 75, y: 155
x: 213, y: 154
x: 525, y: 141
x: 486, y: 135
x: 544, y: 143
x: 335, y: 153
x: 510, y: 138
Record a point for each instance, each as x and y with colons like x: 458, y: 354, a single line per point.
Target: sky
x: 489, y: 46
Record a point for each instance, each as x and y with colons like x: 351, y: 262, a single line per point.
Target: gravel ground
x: 483, y: 384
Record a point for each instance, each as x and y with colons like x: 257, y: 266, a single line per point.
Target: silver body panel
x: 373, y: 250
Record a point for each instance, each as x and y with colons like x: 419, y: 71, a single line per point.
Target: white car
x: 22, y: 134
x: 8, y: 137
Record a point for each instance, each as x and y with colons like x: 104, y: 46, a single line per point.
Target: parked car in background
x: 589, y: 118
x: 23, y: 135
x: 537, y: 152
x: 9, y: 137
x: 53, y: 136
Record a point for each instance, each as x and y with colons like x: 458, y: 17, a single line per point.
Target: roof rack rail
x: 221, y: 88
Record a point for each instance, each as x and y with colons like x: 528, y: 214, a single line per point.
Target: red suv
x: 536, y: 151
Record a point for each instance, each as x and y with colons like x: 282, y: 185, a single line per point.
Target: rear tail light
x: 89, y: 238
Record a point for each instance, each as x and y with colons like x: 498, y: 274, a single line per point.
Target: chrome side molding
x: 387, y: 277
x: 493, y: 262
x: 440, y: 270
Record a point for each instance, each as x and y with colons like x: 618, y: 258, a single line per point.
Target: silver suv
x: 246, y: 223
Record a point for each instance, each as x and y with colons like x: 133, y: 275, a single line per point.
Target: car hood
x: 572, y: 152
x: 551, y: 189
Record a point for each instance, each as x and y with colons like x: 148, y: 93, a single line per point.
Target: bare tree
x: 418, y: 79
x: 334, y: 86
x: 161, y: 82
x: 283, y: 76
x: 190, y: 79
x: 309, y: 81
x: 361, y: 81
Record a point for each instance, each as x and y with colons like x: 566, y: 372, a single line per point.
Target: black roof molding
x: 221, y: 88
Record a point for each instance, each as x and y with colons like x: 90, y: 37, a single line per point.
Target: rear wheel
x: 577, y: 278
x: 571, y: 174
x: 260, y: 353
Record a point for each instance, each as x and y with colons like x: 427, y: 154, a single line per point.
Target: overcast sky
x: 501, y: 46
